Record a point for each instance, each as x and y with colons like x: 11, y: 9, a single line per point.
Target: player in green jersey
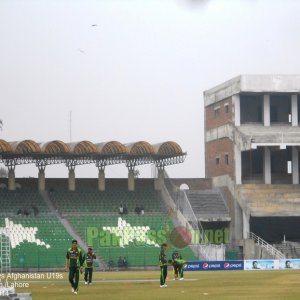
x: 163, y: 263
x: 74, y: 264
x: 178, y: 265
x: 89, y: 265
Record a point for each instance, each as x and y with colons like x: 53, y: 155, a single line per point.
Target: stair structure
x: 289, y: 249
x: 208, y: 205
x: 269, y: 248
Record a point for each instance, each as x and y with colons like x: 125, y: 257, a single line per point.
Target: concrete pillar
x: 159, y: 181
x: 295, y: 165
x: 238, y: 164
x: 266, y: 110
x: 237, y: 109
x: 101, y: 180
x: 267, y: 165
x: 246, y: 225
x: 11, y: 179
x: 294, y: 106
x: 131, y: 182
x: 72, y: 186
x: 238, y: 223
x: 41, y: 181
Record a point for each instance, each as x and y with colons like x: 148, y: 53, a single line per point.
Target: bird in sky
x: 81, y: 51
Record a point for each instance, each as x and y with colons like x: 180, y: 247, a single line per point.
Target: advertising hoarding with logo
x: 260, y: 265
x: 269, y: 264
x: 214, y: 265
x: 230, y: 265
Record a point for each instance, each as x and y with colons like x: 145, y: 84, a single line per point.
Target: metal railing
x: 269, y: 248
x: 223, y: 198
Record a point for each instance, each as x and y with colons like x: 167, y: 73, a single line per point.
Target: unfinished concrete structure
x: 252, y: 139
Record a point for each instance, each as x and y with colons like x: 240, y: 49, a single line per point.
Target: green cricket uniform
x: 178, y: 264
x: 75, y: 262
x: 175, y: 255
x: 89, y: 265
x: 163, y: 266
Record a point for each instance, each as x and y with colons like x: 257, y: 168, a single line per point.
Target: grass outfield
x: 198, y: 285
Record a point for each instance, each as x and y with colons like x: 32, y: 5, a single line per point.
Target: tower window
x: 217, y: 111
x: 226, y: 159
x: 226, y: 106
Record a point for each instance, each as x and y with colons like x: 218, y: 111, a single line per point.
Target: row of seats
x: 279, y: 200
x: 79, y: 202
x: 208, y: 203
x: 36, y: 242
x: 42, y: 241
x: 137, y: 238
x: 13, y: 201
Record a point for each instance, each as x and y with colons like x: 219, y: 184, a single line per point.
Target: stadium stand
x: 270, y: 200
x: 39, y: 240
x: 208, y: 205
x: 135, y: 244
x: 290, y: 249
x: 103, y: 202
x: 88, y: 208
x: 13, y: 201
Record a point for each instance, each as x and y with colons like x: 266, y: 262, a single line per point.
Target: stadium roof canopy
x: 85, y: 152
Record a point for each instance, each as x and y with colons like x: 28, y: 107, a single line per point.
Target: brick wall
x: 222, y: 117
x: 218, y: 149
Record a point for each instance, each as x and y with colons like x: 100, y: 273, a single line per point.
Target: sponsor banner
x: 214, y: 265
x: 260, y: 265
x: 289, y: 264
x: 229, y: 265
x: 192, y: 266
x: 269, y: 264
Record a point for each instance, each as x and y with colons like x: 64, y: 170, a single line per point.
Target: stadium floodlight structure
x: 86, y: 152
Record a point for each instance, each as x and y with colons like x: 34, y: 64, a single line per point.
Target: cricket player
x: 178, y: 265
x: 163, y: 265
x: 89, y: 266
x: 74, y: 264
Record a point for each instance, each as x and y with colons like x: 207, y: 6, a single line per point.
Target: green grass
x: 206, y: 285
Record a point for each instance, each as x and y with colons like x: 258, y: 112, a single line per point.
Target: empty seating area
x: 289, y: 249
x: 88, y: 200
x: 95, y: 202
x: 38, y: 240
x: 95, y: 216
x: 270, y: 200
x: 14, y: 202
x: 137, y: 238
x: 208, y: 205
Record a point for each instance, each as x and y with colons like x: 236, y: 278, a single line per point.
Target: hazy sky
x: 139, y: 74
